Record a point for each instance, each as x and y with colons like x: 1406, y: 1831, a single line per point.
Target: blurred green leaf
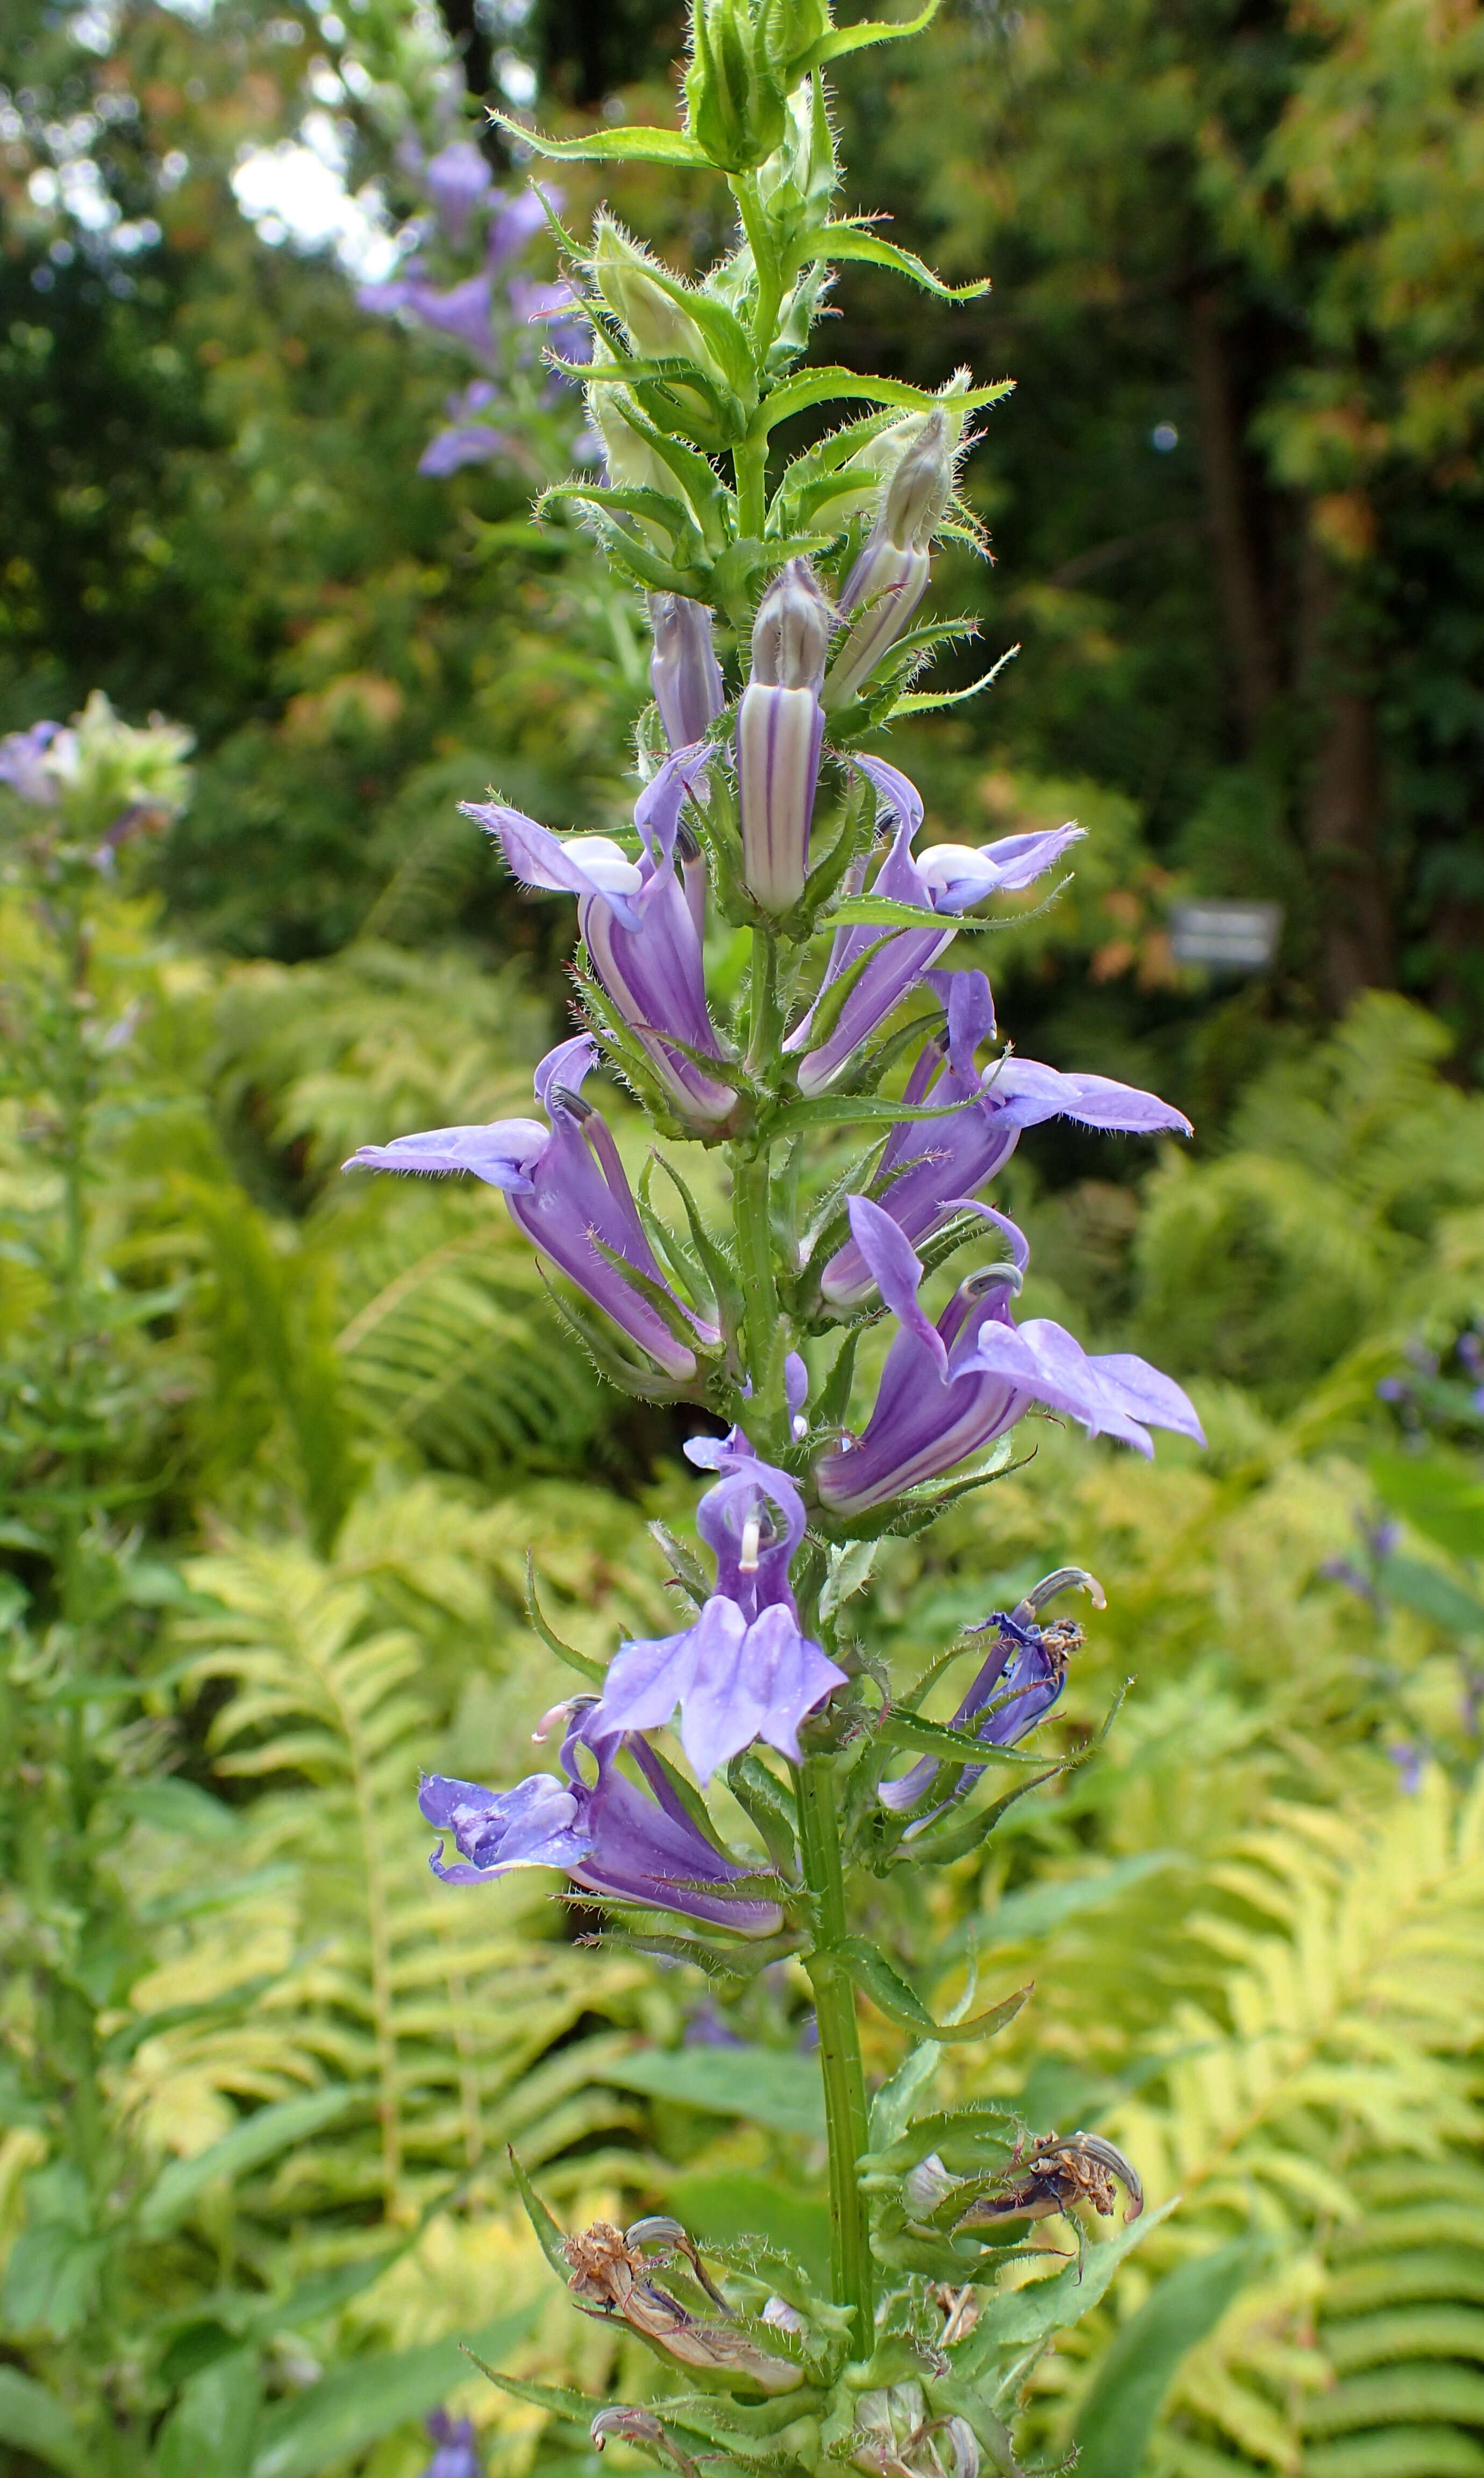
x: 1116, y: 2417
x: 361, y: 2401
x: 767, y: 2086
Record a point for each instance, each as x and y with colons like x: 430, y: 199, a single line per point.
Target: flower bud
x: 660, y: 328
x: 738, y: 82
x: 684, y: 672
x: 780, y: 730
x: 890, y: 577
x: 790, y: 634
x: 920, y: 488
x: 632, y: 463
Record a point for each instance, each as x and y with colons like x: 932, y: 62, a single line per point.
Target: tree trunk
x: 1249, y: 641
x: 472, y: 44
x: 1342, y: 811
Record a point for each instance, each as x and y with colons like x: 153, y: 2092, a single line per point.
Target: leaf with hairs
x: 892, y: 1996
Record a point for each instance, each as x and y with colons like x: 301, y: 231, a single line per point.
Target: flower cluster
x: 103, y: 781
x: 745, y: 1670
x: 489, y: 314
x: 774, y: 955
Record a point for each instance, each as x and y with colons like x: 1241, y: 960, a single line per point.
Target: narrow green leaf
x: 901, y: 1729
x: 892, y: 1996
x: 763, y: 1798
x: 852, y: 241
x: 1021, y: 2318
x: 258, y: 2139
x: 645, y: 145
x: 32, y: 2420
x: 592, y: 1670
x: 556, y: 2398
x: 880, y: 911
x: 928, y: 701
x: 841, y: 39
x: 821, y: 384
x: 854, y: 1109
x: 548, y: 2235
x: 893, y: 2106
x: 1116, y: 2418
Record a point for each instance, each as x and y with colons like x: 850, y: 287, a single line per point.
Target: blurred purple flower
x: 951, y: 1388
x: 744, y: 1669
x: 1411, y: 1763
x: 606, y: 1834
x: 23, y: 767
x: 471, y: 439
x: 640, y: 922
x: 455, y: 2455
x: 945, y: 882
x: 567, y: 1189
x: 456, y: 181
x: 463, y: 311
x: 930, y: 1169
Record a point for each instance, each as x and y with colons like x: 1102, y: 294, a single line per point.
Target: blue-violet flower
x: 639, y: 920
x: 930, y: 1167
x: 567, y: 1189
x: 949, y: 1389
x: 605, y: 1833
x: 947, y: 879
x: 744, y: 1669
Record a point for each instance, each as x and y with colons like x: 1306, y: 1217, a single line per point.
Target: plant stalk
x: 840, y: 2046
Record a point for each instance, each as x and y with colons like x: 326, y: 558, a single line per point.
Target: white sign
x: 1233, y: 937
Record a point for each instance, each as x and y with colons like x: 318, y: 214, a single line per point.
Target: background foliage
x: 266, y: 1558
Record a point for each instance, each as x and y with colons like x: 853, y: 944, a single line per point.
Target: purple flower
x: 463, y: 311
x: 930, y: 1167
x: 1018, y: 1680
x: 457, y: 180
x: 566, y: 1191
x: 951, y: 1388
x: 23, y: 765
x: 455, y: 2456
x: 470, y: 439
x: 601, y: 1830
x: 684, y: 672
x: 780, y: 732
x: 640, y: 922
x: 945, y: 882
x: 1411, y: 1764
x: 516, y: 224
x: 744, y: 1669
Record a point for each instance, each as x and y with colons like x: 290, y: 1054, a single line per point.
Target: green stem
x: 840, y: 2045
x: 749, y: 460
x: 751, y: 1185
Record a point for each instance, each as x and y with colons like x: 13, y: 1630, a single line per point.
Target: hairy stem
x: 840, y: 2045
x: 752, y: 1195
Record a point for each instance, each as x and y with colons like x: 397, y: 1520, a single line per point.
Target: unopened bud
x: 925, y: 2187
x: 660, y: 328
x: 790, y: 634
x: 920, y: 488
x: 684, y: 672
x: 890, y: 577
